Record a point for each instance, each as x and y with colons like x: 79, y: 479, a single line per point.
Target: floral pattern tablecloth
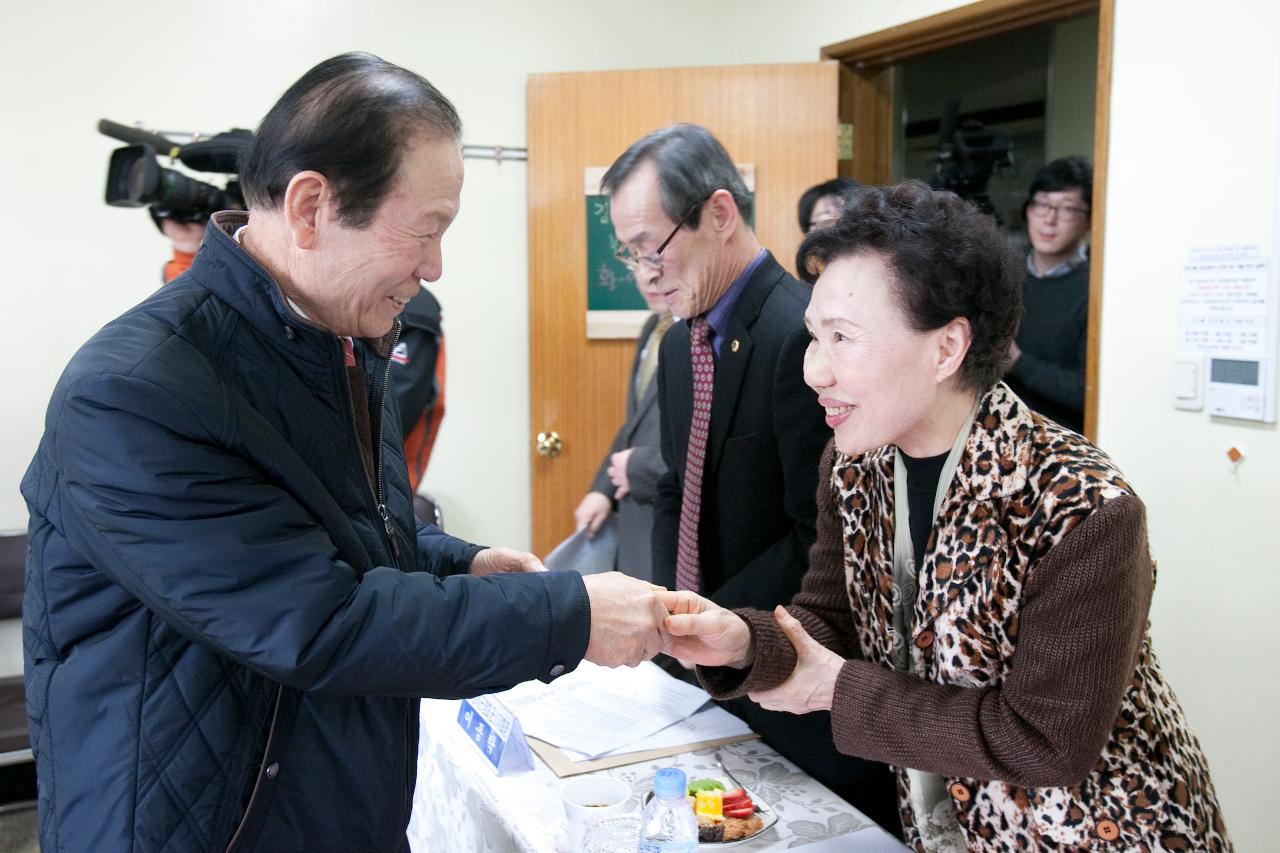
x: 462, y: 806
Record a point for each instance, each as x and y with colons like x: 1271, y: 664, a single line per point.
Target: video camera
x: 968, y: 155
x: 136, y: 179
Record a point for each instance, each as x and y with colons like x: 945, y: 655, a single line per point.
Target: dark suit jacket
x: 640, y: 431
x: 767, y: 436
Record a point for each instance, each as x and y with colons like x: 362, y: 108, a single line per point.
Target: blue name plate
x: 496, y: 732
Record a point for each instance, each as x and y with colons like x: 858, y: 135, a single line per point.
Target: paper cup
x: 587, y: 799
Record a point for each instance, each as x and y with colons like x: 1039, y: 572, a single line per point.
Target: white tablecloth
x: 462, y: 806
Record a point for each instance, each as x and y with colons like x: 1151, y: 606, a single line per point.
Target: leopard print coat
x: 1023, y: 484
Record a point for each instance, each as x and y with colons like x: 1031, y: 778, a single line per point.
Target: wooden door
x: 779, y: 118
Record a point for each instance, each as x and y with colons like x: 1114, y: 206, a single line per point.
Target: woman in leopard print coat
x: 995, y: 652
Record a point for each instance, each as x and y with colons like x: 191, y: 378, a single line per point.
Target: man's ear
x: 953, y: 345
x: 723, y: 211
x: 306, y: 206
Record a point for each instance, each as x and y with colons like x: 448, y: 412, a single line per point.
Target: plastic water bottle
x: 668, y: 824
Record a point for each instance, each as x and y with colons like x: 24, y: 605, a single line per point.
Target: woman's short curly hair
x: 948, y: 258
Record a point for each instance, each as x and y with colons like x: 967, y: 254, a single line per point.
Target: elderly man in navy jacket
x: 229, y: 608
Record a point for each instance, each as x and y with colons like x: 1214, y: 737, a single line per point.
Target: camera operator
x: 185, y: 237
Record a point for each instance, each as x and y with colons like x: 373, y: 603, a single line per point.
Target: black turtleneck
x: 922, y: 487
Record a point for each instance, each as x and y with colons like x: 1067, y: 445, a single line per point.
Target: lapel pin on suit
x: 734, y: 346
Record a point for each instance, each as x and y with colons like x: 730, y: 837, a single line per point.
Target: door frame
x: 866, y: 102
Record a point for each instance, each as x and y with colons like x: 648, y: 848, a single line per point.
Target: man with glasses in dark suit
x: 741, y: 433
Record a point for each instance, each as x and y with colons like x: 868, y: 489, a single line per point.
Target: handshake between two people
x: 631, y: 621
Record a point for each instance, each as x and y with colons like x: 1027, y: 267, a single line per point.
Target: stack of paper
x: 595, y: 710
x: 710, y: 724
x: 596, y: 718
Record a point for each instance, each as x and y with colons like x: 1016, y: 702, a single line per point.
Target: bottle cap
x: 669, y: 782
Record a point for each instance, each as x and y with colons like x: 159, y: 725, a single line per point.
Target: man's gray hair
x: 691, y: 163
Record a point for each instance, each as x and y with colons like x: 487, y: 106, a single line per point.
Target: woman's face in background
x: 826, y: 210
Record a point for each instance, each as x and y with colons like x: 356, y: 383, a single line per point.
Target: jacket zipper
x: 377, y: 489
x: 382, y: 420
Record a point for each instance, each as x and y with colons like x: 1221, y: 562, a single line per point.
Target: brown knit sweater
x: 1045, y: 725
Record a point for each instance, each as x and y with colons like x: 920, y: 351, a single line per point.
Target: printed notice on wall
x: 1227, y: 313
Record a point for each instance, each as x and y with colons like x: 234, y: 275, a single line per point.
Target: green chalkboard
x: 610, y: 285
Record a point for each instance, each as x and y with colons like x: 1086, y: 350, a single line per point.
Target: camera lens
x: 141, y: 180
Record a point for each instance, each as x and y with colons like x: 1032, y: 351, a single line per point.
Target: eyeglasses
x: 653, y: 260
x: 1066, y: 213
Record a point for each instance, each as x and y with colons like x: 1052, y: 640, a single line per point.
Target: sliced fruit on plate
x: 707, y: 803
x: 737, y: 804
x: 697, y: 785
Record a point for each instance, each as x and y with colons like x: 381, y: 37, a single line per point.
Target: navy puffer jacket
x: 222, y: 647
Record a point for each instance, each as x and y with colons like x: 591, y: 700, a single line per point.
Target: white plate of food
x: 727, y: 813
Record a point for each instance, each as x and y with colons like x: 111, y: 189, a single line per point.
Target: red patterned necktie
x: 348, y: 353
x: 704, y: 371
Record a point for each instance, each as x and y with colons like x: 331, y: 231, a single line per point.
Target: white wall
x: 772, y: 31
x: 1193, y: 163
x: 1194, y: 141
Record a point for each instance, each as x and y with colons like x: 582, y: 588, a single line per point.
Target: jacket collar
x: 754, y: 292
x: 735, y: 352
x: 997, y: 457
x: 231, y: 273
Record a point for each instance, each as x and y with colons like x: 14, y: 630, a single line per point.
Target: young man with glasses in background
x: 1047, y: 359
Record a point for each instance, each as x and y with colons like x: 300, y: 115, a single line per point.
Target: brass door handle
x: 549, y: 444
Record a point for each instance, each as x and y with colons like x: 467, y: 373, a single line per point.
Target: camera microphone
x: 138, y: 136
